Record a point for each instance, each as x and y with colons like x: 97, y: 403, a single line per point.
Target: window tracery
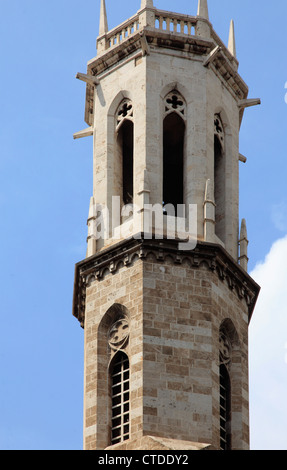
x: 125, y: 111
x: 219, y: 129
x: 175, y: 102
x: 224, y: 349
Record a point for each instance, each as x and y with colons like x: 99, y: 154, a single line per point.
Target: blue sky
x: 46, y: 184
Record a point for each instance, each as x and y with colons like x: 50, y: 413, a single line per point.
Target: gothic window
x: 173, y: 149
x: 175, y: 102
x: 120, y: 397
x: 125, y: 111
x: 225, y: 409
x: 118, y: 340
x: 225, y: 391
x: 125, y: 145
x: 219, y: 177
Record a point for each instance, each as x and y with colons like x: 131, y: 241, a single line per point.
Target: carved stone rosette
x: 225, y: 349
x: 118, y: 334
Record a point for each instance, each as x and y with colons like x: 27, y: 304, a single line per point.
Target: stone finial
x: 146, y: 4
x: 209, y: 212
x: 91, y: 240
x: 243, y: 230
x: 209, y: 192
x: 243, y: 244
x: 103, y: 19
x: 147, y: 14
x: 202, y: 9
x: 231, y: 41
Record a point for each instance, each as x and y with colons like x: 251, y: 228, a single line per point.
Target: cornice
x: 225, y: 66
x: 125, y: 253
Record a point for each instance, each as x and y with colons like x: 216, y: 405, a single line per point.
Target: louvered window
x: 225, y: 409
x: 120, y: 377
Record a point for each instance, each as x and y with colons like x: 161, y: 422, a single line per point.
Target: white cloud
x: 268, y: 352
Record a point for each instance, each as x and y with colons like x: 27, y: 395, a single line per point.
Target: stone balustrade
x: 175, y: 22
x: 158, y: 19
x: 122, y: 32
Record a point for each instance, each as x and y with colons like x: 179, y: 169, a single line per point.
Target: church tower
x: 164, y: 295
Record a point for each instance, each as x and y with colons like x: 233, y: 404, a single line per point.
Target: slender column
x: 209, y: 212
x: 103, y: 30
x: 203, y: 25
x: 231, y: 40
x: 243, y: 246
x: 147, y: 14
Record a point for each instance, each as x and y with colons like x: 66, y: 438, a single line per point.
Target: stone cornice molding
x: 148, y: 40
x: 112, y: 259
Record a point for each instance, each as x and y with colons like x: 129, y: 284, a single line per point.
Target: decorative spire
x: 243, y: 230
x: 231, y: 41
x: 202, y: 9
x: 209, y: 212
x: 103, y: 19
x: 243, y: 244
x: 146, y: 4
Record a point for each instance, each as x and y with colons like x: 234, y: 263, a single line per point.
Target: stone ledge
x: 126, y: 252
x: 160, y: 443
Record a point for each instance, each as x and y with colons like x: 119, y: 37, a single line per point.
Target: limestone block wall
x: 146, y: 81
x: 205, y: 95
x: 127, y: 81
x: 125, y: 289
x: 175, y: 312
x: 183, y: 310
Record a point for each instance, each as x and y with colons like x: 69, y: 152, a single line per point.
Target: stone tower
x: 164, y: 295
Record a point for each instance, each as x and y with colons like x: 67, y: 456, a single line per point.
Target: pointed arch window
x: 120, y: 397
x: 118, y: 341
x: 225, y: 409
x: 225, y: 392
x: 125, y: 148
x: 219, y: 177
x: 173, y: 149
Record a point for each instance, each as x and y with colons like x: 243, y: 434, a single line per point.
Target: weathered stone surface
x: 175, y: 308
x: 177, y: 314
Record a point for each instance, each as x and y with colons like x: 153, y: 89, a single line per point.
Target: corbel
x: 242, y: 158
x: 84, y: 133
x: 90, y: 79
x: 144, y: 44
x: 211, y: 56
x: 248, y: 103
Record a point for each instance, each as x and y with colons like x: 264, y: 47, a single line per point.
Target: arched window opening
x: 126, y: 147
x: 125, y: 144
x: 120, y: 398
x: 173, y: 160
x: 173, y: 150
x: 225, y: 354
x: 225, y: 409
x: 219, y: 178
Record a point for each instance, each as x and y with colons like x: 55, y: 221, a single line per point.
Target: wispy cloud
x: 279, y: 216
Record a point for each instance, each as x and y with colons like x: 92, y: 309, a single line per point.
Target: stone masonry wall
x: 175, y: 313
x: 124, y: 288
x: 183, y: 310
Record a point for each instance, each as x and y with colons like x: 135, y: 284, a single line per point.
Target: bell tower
x: 164, y: 295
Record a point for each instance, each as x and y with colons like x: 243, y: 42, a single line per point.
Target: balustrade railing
x: 161, y: 20
x: 176, y: 23
x: 123, y: 31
